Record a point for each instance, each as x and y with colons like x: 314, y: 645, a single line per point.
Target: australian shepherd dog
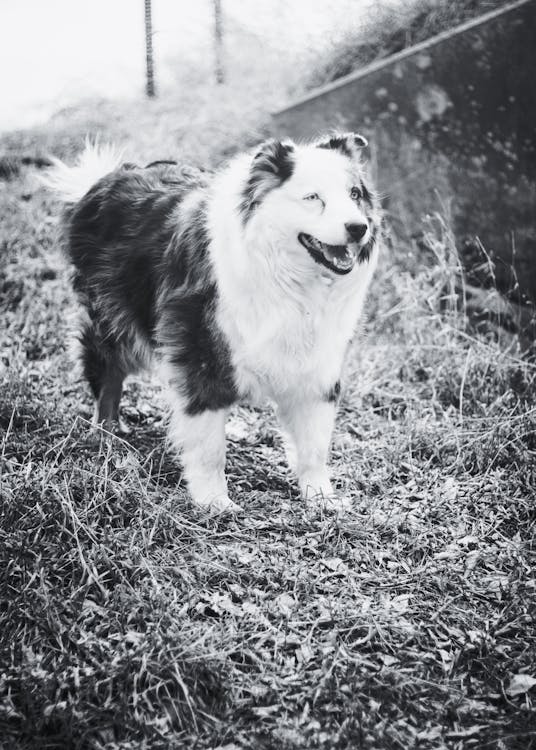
x: 243, y: 285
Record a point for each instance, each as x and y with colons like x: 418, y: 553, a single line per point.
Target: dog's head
x: 313, y: 201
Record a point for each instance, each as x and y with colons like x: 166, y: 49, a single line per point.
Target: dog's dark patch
x: 187, y: 330
x: 93, y: 358
x: 145, y: 278
x: 117, y: 237
x: 272, y: 165
x: 334, y: 392
x: 116, y: 244
x: 197, y: 350
x: 366, y: 251
x: 159, y: 162
x: 365, y: 192
x: 337, y: 144
x: 346, y: 143
x: 48, y: 274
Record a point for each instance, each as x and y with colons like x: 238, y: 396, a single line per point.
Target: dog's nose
x: 356, y: 231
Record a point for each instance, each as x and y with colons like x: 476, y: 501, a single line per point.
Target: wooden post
x: 150, y: 85
x: 218, y: 42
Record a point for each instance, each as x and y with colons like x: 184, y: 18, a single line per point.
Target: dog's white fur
x: 291, y: 344
x: 287, y: 319
x: 72, y: 182
x: 311, y: 312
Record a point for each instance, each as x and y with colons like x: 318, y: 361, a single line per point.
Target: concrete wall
x: 450, y: 120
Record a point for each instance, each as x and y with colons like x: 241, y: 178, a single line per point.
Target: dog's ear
x: 348, y: 144
x: 274, y: 159
x: 271, y: 166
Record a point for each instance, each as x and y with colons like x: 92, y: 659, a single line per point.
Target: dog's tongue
x: 340, y: 255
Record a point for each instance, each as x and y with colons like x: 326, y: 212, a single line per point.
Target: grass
x: 129, y: 620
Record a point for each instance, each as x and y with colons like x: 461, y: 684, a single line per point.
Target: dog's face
x: 313, y: 202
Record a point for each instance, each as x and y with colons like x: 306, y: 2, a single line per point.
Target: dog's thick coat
x: 244, y: 285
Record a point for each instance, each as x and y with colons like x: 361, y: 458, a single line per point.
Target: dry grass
x: 128, y: 620
x: 389, y: 28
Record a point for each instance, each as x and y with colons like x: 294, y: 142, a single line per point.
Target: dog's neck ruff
x: 287, y: 317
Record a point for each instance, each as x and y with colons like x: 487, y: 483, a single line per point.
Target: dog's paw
x: 315, y: 484
x: 336, y: 503
x: 219, y: 505
x: 122, y: 428
x: 316, y: 489
x: 111, y: 426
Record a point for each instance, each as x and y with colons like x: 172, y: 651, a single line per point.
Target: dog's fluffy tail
x: 94, y: 162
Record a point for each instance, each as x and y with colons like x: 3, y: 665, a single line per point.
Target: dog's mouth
x: 338, y: 258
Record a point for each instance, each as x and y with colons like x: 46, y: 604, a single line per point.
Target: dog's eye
x: 355, y: 194
x: 311, y: 197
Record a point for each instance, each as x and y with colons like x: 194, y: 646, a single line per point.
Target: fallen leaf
x: 520, y: 683
x: 285, y: 603
x: 388, y: 659
x: 400, y: 603
x: 450, y: 489
x: 265, y: 710
x: 335, y: 564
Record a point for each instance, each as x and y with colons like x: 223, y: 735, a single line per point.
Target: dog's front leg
x: 309, y: 425
x: 201, y: 438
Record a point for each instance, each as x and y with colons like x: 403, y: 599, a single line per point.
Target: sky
x: 53, y: 53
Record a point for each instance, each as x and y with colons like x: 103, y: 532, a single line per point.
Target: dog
x: 242, y: 285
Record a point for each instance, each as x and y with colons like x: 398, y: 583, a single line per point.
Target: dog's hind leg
x: 107, y: 407
x: 104, y: 370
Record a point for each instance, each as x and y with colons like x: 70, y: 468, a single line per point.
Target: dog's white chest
x: 288, y: 349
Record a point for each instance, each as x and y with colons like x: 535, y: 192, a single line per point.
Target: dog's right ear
x: 271, y: 166
x: 348, y: 144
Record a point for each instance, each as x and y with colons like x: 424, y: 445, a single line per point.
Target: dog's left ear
x: 271, y: 166
x: 348, y: 144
